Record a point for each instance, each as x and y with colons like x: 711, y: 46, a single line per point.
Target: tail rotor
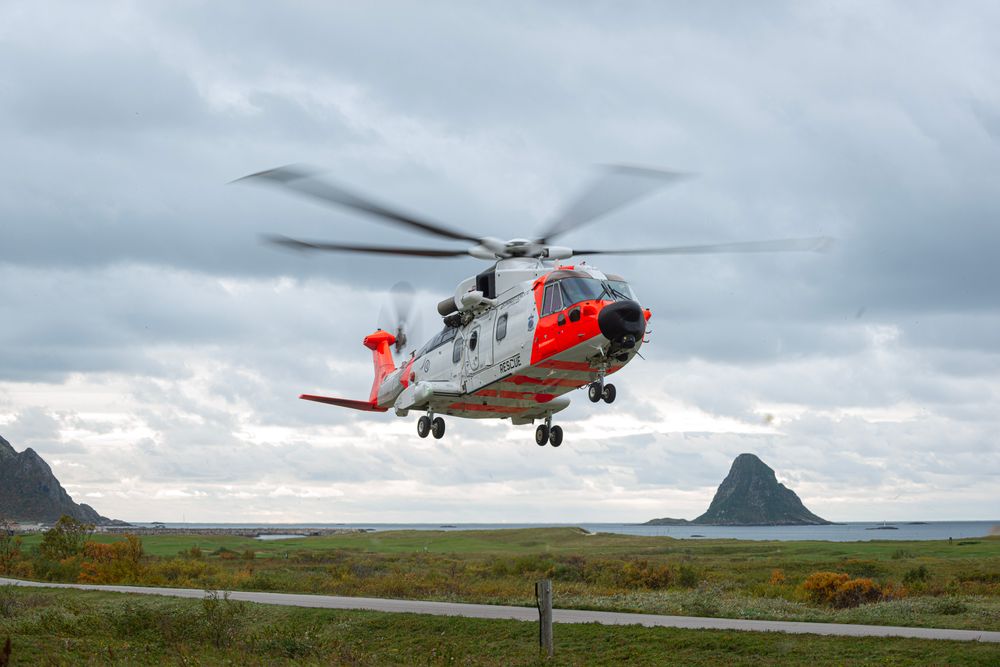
x: 398, y: 315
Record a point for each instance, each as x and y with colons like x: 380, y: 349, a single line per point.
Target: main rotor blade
x: 305, y: 182
x: 814, y: 244
x: 616, y: 187
x: 296, y: 244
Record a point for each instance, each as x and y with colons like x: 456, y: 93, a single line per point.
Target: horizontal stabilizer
x: 367, y: 406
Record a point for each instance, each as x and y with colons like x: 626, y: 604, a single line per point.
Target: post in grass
x: 543, y: 596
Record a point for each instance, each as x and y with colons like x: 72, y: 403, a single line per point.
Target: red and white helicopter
x: 523, y: 333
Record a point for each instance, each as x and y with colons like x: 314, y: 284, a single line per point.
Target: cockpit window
x: 576, y: 290
x: 440, y: 339
x: 552, y: 300
x: 621, y: 290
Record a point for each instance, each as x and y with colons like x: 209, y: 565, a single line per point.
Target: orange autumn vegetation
x: 111, y: 563
x: 837, y: 589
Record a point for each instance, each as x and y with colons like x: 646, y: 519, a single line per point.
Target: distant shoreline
x: 836, y: 532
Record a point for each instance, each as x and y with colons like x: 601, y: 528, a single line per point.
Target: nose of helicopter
x: 622, y: 322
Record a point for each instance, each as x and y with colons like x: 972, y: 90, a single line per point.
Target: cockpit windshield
x: 621, y: 290
x: 576, y: 289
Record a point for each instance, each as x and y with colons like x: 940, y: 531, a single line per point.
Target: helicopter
x: 521, y: 335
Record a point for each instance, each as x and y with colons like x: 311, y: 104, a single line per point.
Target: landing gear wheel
x: 609, y: 393
x: 555, y: 436
x: 594, y: 392
x: 437, y: 428
x: 423, y: 426
x: 542, y: 435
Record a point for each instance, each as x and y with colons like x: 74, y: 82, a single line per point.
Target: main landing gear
x: 430, y: 425
x: 598, y: 390
x: 548, y: 433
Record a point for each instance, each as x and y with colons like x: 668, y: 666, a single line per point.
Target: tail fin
x: 379, y: 343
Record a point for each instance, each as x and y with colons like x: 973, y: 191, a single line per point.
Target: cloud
x: 154, y: 346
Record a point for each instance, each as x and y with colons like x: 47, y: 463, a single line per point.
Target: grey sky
x: 152, y: 348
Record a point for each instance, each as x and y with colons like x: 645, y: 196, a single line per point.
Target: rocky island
x: 751, y: 495
x: 30, y: 493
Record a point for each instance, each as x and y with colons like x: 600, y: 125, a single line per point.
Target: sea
x: 852, y: 531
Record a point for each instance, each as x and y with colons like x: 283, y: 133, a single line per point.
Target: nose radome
x: 622, y: 322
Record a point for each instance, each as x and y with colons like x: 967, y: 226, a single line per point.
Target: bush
x: 8, y: 601
x: 855, y: 592
x: 194, y: 553
x: 643, y: 574
x: 916, y: 575
x: 950, y: 607
x: 10, y: 547
x: 777, y: 577
x: 837, y: 589
x: 687, y: 576
x: 224, y: 618
x: 65, y: 539
x: 112, y: 563
x: 821, y: 587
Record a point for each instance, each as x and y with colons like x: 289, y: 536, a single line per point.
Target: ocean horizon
x: 850, y: 531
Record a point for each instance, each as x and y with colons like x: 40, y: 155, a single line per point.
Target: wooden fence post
x: 543, y: 595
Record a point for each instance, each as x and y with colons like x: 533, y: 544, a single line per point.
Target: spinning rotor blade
x: 397, y: 316
x: 618, y: 186
x: 305, y: 182
x: 296, y: 244
x: 814, y: 244
x: 402, y: 295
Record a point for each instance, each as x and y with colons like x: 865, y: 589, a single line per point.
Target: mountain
x: 750, y: 495
x: 29, y: 492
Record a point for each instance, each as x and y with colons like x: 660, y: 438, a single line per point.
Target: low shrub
x: 855, y: 592
x: 643, y: 574
x: 821, y: 587
x: 838, y: 590
x: 687, y: 576
x: 950, y: 607
x: 223, y: 618
x: 917, y: 574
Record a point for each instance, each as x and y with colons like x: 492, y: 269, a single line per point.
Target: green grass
x: 947, y: 584
x: 76, y: 627
x: 567, y: 541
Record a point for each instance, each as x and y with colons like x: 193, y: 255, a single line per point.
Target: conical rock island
x: 751, y: 495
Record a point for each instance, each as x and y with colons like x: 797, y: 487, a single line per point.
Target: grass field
x: 49, y: 627
x: 933, y: 583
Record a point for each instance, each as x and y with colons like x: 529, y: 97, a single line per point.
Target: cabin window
x: 474, y: 340
x: 456, y: 350
x: 502, y: 327
x: 552, y: 301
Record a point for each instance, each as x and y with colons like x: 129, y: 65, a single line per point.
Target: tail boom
x: 379, y: 343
